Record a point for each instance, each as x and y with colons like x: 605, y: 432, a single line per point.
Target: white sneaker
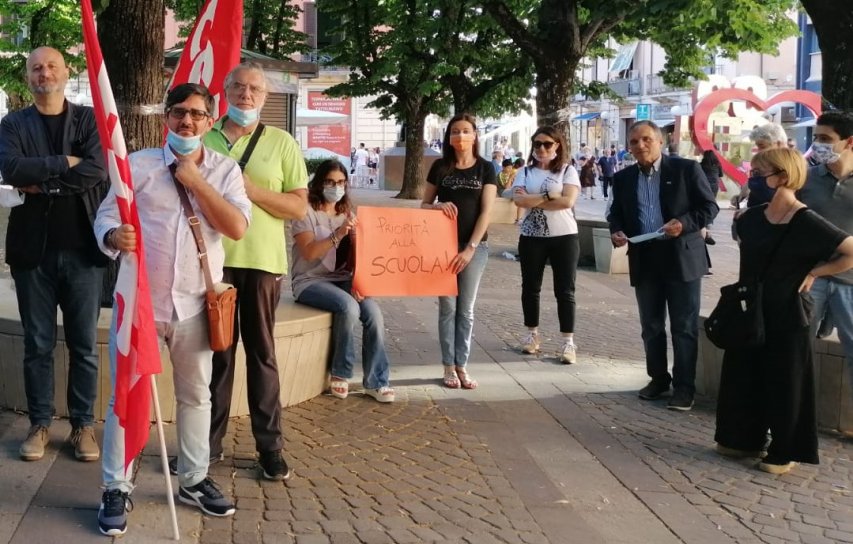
x: 568, y: 353
x: 530, y: 343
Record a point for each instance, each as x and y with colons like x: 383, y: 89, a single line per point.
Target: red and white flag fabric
x: 137, y: 353
x: 212, y: 49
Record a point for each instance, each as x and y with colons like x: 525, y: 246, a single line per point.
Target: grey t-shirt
x: 833, y: 199
x: 327, y: 268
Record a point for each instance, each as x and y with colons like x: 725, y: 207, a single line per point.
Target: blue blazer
x: 684, y: 195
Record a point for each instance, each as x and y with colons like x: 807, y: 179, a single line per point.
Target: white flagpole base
x: 170, y: 498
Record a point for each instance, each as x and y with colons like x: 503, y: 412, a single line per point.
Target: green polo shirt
x: 276, y: 164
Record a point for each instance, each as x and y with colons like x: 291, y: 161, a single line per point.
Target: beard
x: 46, y: 88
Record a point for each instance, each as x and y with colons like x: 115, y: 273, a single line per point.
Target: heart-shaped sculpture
x: 703, y: 110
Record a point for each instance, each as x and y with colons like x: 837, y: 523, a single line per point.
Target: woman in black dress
x: 772, y: 387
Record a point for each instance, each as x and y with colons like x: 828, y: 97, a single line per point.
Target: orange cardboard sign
x: 404, y: 252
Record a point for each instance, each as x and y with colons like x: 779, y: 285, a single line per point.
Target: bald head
x: 47, y: 73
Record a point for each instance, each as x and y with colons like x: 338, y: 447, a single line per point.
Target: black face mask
x: 759, y: 191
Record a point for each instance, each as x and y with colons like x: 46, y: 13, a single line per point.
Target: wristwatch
x: 473, y: 245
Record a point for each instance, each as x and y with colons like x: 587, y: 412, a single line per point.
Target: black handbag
x: 737, y: 320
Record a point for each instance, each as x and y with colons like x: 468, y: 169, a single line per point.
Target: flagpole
x: 165, y: 460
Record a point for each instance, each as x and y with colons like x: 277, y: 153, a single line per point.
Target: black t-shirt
x: 810, y: 240
x: 67, y: 224
x: 463, y: 188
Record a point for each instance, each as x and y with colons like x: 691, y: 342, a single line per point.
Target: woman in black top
x: 783, y: 243
x: 463, y: 186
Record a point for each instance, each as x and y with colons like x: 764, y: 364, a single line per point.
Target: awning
x: 623, y: 58
x: 587, y: 116
x: 663, y: 124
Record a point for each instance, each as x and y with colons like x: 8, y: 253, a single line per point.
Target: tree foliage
x: 28, y: 25
x: 418, y: 57
x: 834, y: 29
x: 269, y: 25
x: 558, y: 34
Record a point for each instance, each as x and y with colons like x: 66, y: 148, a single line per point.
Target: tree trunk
x: 554, y: 94
x: 131, y: 33
x: 834, y: 28
x: 413, y: 165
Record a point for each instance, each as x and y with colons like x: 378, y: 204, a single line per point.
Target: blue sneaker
x: 112, y: 515
x: 207, y: 496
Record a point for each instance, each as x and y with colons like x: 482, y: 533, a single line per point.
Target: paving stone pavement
x: 540, y: 452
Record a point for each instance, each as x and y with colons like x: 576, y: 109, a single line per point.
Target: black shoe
x: 273, y: 465
x: 207, y: 496
x: 710, y: 241
x: 654, y: 390
x: 112, y: 515
x: 173, y: 462
x: 681, y: 400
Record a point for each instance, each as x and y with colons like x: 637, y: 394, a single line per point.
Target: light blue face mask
x: 334, y: 194
x: 243, y: 118
x: 182, y: 145
x: 823, y: 153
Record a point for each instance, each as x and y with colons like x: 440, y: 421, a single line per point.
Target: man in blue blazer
x: 668, y: 196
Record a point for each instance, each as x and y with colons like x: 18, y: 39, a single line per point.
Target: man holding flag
x: 215, y: 187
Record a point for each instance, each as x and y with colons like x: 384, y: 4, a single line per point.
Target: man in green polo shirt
x: 276, y: 182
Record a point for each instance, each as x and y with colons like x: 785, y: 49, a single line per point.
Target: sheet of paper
x: 646, y: 237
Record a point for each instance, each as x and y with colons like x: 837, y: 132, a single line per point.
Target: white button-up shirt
x: 171, y: 256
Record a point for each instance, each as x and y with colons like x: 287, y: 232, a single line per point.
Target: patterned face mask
x: 823, y: 153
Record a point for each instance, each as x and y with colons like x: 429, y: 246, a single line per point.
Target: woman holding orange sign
x: 463, y: 186
x: 321, y: 277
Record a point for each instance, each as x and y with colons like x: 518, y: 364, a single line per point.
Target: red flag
x: 137, y: 352
x: 212, y: 49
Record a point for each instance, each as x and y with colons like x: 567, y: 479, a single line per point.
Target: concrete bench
x: 832, y: 379
x: 302, y: 343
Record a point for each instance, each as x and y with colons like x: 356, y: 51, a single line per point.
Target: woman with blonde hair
x: 785, y: 246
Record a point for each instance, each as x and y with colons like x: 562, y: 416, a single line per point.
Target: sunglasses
x: 547, y: 145
x: 760, y: 174
x: 195, y: 115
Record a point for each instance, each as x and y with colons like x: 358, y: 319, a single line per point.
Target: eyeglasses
x: 329, y: 183
x: 195, y: 115
x: 547, y: 145
x: 760, y: 174
x: 241, y: 87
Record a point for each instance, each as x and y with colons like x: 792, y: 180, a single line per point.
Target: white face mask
x: 824, y: 153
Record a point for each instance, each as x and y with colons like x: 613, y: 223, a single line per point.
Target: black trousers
x: 534, y: 252
x: 605, y: 183
x: 257, y: 298
x: 770, y: 388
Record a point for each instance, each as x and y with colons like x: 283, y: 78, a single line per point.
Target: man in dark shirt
x: 607, y: 167
x: 51, y: 152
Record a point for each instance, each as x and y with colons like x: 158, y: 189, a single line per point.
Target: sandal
x: 381, y: 394
x: 338, y: 387
x: 451, y: 380
x: 465, y: 380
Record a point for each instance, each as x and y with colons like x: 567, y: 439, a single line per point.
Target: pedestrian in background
x: 463, y: 186
x: 587, y: 177
x: 713, y: 170
x: 323, y: 245
x: 548, y: 189
x: 785, y: 246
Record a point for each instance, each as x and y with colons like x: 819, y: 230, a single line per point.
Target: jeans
x: 190, y: 353
x: 835, y: 298
x: 681, y: 298
x: 68, y: 279
x: 335, y: 297
x: 257, y: 298
x: 562, y: 251
x: 456, y: 314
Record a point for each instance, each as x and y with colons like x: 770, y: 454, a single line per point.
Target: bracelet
x: 109, y: 239
x: 334, y: 239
